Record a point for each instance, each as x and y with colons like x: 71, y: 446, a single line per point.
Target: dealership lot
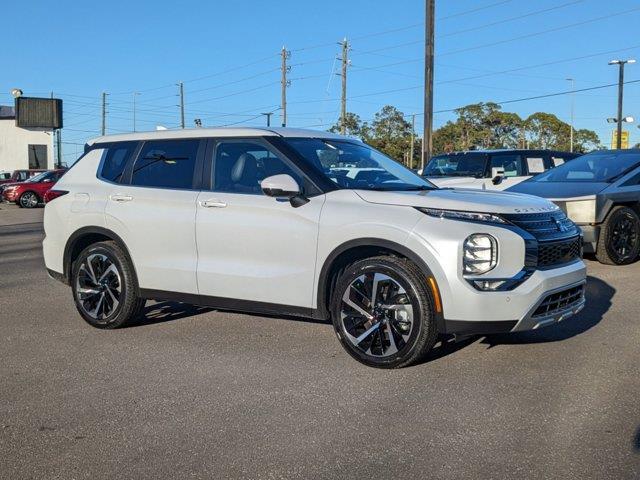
x: 192, y: 392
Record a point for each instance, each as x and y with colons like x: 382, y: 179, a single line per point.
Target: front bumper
x: 9, y: 196
x: 551, y: 306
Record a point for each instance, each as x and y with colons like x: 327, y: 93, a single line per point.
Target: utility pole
x: 572, y: 100
x: 58, y: 144
x: 135, y: 94
x: 285, y: 54
x: 413, y: 136
x: 343, y: 100
x: 427, y: 141
x: 104, y: 113
x: 181, y: 87
x: 268, y: 115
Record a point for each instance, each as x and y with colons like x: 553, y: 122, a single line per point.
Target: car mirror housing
x: 497, y: 174
x: 283, y: 186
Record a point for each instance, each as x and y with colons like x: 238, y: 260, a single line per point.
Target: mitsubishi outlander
x: 305, y: 223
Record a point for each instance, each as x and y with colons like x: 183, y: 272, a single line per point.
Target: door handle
x: 213, y: 203
x: 121, y: 198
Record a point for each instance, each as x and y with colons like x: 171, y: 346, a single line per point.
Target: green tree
x: 481, y: 125
x: 391, y: 133
x: 545, y: 130
x: 353, y: 124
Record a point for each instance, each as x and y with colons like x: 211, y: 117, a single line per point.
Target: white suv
x: 304, y: 223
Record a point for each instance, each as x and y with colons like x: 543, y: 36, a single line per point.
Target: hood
x: 11, y: 184
x: 558, y: 190
x: 452, y: 181
x: 470, y: 200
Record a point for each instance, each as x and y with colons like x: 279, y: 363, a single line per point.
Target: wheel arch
x: 39, y: 197
x: 82, y: 238
x: 359, y: 249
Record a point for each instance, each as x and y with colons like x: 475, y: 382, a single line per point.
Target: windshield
x: 456, y: 166
x: 39, y: 177
x: 593, y: 167
x: 356, y: 165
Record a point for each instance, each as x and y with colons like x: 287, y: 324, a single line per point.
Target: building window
x: 38, y: 156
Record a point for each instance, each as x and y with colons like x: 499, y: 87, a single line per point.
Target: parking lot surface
x: 195, y: 393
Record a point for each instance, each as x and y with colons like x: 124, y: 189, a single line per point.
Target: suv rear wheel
x: 382, y: 312
x: 619, y: 241
x: 105, y: 288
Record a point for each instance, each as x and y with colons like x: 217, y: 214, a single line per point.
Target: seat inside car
x: 244, y: 174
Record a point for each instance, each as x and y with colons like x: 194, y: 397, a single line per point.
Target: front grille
x: 557, y: 302
x: 557, y: 253
x: 546, y: 226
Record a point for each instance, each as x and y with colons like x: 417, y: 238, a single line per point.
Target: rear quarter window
x: 115, y: 160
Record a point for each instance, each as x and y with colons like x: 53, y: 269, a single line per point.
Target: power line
x: 507, y: 40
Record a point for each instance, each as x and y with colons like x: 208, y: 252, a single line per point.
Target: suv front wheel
x: 382, y: 312
x: 105, y: 287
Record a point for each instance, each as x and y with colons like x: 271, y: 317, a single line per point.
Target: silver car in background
x: 600, y: 192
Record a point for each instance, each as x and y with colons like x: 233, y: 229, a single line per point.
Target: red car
x: 31, y: 192
x: 20, y: 176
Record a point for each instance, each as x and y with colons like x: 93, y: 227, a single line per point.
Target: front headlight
x: 480, y: 254
x: 464, y: 216
x: 582, y: 211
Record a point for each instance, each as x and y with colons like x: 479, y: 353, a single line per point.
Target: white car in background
x: 298, y: 222
x: 491, y: 169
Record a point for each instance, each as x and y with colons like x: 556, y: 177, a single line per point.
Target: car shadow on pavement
x: 636, y: 441
x: 599, y: 295
x: 161, y: 312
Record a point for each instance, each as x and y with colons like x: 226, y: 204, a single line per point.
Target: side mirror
x: 283, y: 186
x: 497, y: 174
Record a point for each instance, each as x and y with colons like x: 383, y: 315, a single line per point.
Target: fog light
x: 480, y: 254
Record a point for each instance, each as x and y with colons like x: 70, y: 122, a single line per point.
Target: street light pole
x: 268, y: 115
x: 620, y: 64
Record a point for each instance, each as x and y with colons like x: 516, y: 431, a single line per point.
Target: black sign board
x: 32, y: 112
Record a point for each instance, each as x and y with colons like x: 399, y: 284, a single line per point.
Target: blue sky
x: 227, y: 54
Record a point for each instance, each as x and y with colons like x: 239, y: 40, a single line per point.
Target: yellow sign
x: 624, y: 139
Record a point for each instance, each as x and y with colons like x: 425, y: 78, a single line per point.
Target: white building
x: 22, y: 148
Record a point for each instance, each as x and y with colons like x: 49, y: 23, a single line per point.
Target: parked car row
x: 31, y: 187
x: 491, y: 169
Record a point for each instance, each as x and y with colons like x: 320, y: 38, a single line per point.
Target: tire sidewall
x: 24, y: 195
x: 116, y: 318
x: 422, y: 312
x: 624, y: 211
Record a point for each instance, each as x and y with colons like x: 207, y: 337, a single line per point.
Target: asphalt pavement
x: 195, y: 393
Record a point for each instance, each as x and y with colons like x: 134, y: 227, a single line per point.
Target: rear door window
x: 166, y: 164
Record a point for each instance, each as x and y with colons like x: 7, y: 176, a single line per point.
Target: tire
x: 410, y: 322
x: 106, y: 295
x: 28, y: 200
x: 619, y: 240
